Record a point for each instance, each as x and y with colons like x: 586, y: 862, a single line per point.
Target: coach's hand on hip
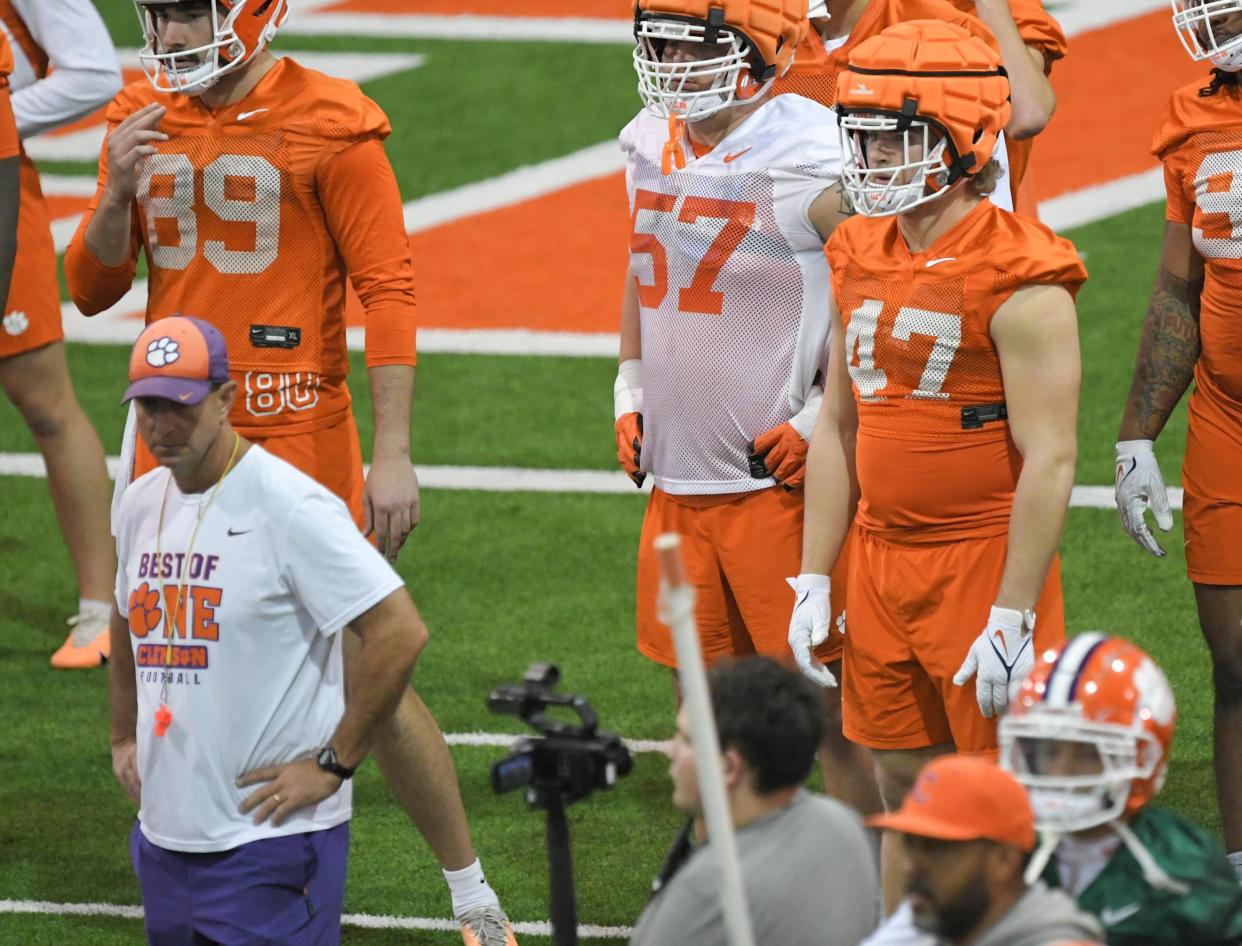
x: 390, y: 503
x: 286, y: 788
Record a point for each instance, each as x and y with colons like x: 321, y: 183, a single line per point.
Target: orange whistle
x: 163, y: 719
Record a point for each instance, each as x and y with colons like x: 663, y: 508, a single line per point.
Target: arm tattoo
x: 1167, y: 353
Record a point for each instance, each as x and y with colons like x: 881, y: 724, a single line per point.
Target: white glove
x: 809, y: 625
x: 999, y: 659
x: 1139, y: 486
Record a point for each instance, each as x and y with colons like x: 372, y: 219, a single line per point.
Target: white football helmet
x: 1211, y: 30
x: 240, y: 29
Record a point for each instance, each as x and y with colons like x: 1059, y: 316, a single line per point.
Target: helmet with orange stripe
x: 921, y: 106
x: 696, y: 57
x: 239, y: 29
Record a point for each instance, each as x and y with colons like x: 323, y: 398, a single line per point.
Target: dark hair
x: 773, y: 717
x: 1220, y: 80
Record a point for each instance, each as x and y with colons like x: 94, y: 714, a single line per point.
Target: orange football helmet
x: 1090, y: 732
x: 942, y: 90
x: 240, y: 29
x: 1211, y: 30
x: 747, y: 44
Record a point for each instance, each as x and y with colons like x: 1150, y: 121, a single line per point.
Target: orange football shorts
x: 332, y: 456
x: 914, y: 611
x: 1212, y: 503
x: 738, y: 550
x: 31, y: 316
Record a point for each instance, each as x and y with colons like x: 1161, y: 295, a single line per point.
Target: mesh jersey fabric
x: 1199, y: 139
x: 233, y: 220
x: 926, y: 377
x: 732, y: 288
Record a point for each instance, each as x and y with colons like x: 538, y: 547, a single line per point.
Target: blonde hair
x: 984, y: 182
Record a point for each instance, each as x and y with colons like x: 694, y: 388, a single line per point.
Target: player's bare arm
x: 1036, y: 337
x: 829, y: 210
x: 129, y: 145
x: 390, y: 501
x: 1169, y: 347
x: 392, y: 635
x: 1033, y: 99
x: 831, y: 485
x: 123, y: 703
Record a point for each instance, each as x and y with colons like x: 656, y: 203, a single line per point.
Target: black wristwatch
x: 328, y: 762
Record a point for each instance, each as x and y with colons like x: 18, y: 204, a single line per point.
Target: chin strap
x: 674, y: 154
x: 1153, y: 873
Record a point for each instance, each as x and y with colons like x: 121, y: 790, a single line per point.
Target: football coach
x: 236, y: 574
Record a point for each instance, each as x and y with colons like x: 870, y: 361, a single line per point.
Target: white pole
x: 677, y: 611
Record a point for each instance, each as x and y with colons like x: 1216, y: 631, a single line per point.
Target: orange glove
x: 630, y: 445
x: 781, y: 452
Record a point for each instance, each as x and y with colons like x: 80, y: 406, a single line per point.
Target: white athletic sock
x: 89, y: 606
x: 1235, y: 861
x: 470, y: 889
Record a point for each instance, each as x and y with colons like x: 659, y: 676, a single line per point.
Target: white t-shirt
x: 733, y: 288
x: 277, y: 569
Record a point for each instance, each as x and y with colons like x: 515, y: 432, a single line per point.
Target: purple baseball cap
x: 178, y: 358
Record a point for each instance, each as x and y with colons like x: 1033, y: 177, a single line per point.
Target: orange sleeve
x: 1169, y: 145
x: 1039, y: 30
x: 94, y: 287
x: 363, y: 205
x: 1178, y: 208
x: 1033, y: 255
x: 10, y: 146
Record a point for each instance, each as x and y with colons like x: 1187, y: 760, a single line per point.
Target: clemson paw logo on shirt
x: 16, y: 322
x: 144, y: 610
x: 162, y: 352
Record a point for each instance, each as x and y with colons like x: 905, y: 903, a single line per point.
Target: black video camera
x: 567, y: 761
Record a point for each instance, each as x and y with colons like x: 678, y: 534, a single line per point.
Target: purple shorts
x: 287, y: 890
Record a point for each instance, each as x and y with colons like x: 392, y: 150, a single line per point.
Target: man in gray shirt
x: 807, y: 865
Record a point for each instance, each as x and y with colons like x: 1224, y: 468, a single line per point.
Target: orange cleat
x: 88, y: 645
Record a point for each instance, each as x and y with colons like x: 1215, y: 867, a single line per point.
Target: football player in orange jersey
x: 950, y: 406
x: 724, y: 326
x: 1192, y: 331
x: 1027, y: 37
x: 10, y: 184
x: 64, y: 68
x: 255, y: 187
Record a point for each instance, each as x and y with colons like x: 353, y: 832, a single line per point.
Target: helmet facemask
x: 922, y: 174
x: 696, y: 89
x: 1078, y: 773
x: 1211, y: 30
x: 223, y: 53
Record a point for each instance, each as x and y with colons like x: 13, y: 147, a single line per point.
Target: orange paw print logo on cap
x: 144, y: 610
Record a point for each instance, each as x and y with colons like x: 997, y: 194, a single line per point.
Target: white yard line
x: 1103, y: 200
x: 364, y: 920
x: 84, y: 145
x: 510, y: 479
x: 463, y: 27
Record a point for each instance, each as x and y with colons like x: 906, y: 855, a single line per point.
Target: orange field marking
x: 60, y: 206
x: 1111, y: 90
x: 590, y: 9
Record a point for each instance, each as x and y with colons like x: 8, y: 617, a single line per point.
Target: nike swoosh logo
x: 233, y: 532
x: 1110, y: 917
x: 242, y: 116
x: 733, y: 157
x: 936, y: 262
x: 185, y: 396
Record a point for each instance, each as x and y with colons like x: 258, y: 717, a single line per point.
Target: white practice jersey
x: 733, y: 288
x: 276, y: 570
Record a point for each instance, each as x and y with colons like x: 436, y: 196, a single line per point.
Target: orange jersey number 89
x: 699, y: 296
x: 167, y: 190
